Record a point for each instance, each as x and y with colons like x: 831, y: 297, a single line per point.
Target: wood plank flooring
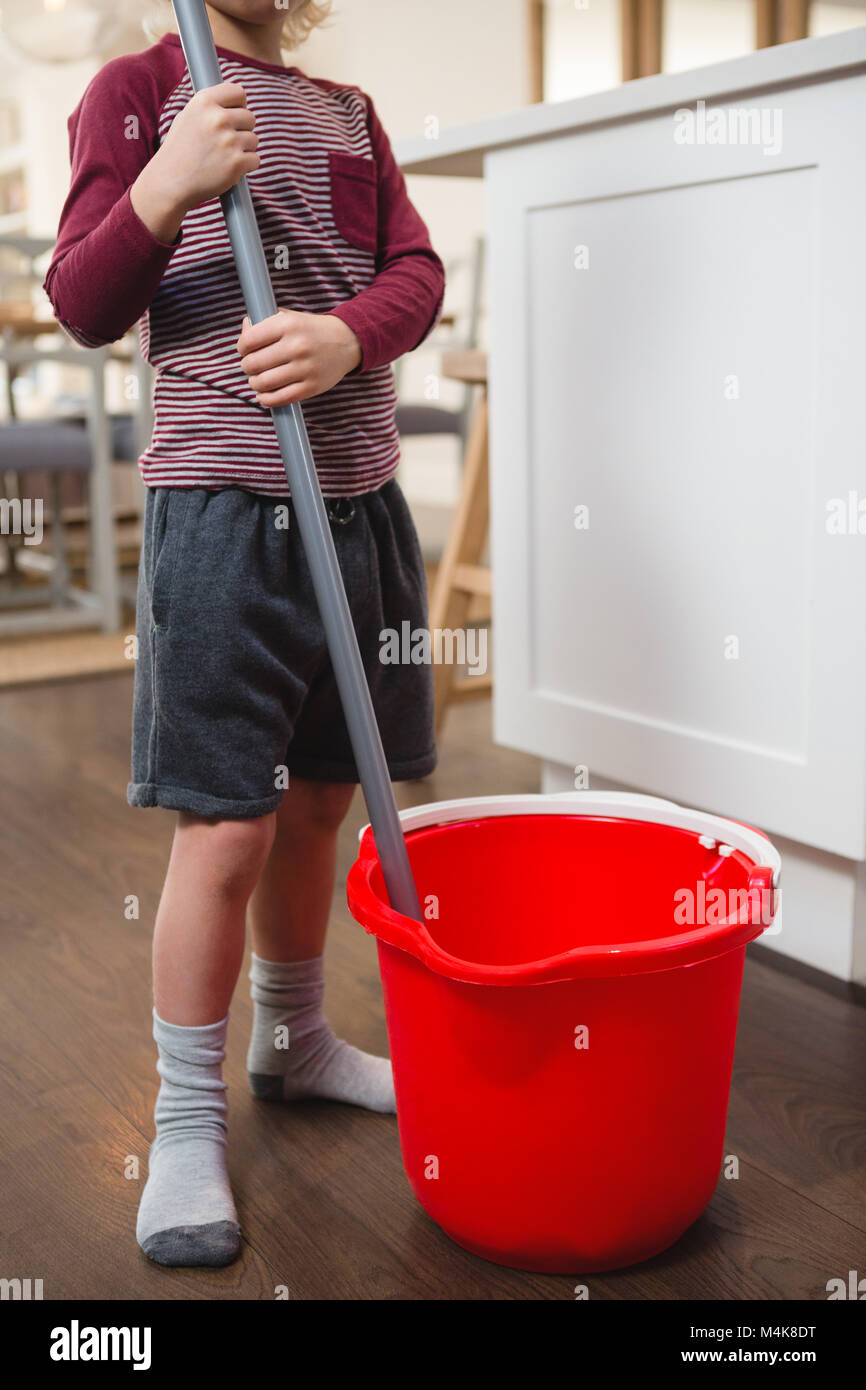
x: 325, y: 1207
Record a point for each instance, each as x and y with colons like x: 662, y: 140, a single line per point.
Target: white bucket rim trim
x: 616, y: 805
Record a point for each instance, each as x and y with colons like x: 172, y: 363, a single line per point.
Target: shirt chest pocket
x: 354, y: 198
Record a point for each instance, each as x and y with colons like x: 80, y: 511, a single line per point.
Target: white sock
x: 187, y: 1215
x: 294, y: 1054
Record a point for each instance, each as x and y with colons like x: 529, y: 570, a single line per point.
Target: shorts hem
x: 321, y: 770
x: 149, y: 794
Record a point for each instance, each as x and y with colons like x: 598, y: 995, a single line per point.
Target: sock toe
x: 217, y: 1243
x: 380, y: 1086
x: 265, y: 1087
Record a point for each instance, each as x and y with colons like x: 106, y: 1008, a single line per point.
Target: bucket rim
x: 685, y: 948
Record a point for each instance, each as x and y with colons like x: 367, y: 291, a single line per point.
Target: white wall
x: 581, y: 48
x: 46, y: 101
x: 698, y: 32
x: 834, y: 19
x: 47, y: 93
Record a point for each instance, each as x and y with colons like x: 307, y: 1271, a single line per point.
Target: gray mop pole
x: 249, y: 256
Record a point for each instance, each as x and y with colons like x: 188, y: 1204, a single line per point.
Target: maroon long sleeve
x: 107, y: 266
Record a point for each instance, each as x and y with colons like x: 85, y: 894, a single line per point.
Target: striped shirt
x: 340, y: 235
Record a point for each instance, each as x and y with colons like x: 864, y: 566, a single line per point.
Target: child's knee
x: 325, y: 804
x: 236, y: 851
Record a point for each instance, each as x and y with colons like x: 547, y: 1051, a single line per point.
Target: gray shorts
x: 233, y: 682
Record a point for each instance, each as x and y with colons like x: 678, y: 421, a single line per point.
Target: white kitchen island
x: 676, y: 294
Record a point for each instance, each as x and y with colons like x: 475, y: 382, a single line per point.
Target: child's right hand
x: 210, y: 146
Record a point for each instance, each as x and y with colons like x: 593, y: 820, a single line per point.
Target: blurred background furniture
x: 71, y: 493
x: 462, y: 588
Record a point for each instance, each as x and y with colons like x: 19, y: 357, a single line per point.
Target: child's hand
x: 291, y: 355
x: 210, y: 145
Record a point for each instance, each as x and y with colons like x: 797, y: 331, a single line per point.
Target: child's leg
x: 198, y: 943
x: 291, y: 904
x: 293, y: 1053
x: 187, y: 1215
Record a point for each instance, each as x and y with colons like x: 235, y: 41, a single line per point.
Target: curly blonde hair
x: 297, y: 26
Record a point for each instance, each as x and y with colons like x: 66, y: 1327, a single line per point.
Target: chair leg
x: 59, y: 565
x: 12, y: 484
x: 449, y: 603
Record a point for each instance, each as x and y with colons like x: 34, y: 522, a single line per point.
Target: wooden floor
x: 325, y: 1207
x: 64, y: 656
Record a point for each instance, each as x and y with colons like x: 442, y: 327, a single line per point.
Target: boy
x: 233, y: 686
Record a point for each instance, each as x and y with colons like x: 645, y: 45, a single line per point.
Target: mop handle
x: 246, y: 243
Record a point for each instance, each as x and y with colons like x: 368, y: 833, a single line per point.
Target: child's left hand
x: 292, y: 355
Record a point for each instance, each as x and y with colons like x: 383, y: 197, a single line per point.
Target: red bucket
x: 562, y: 1024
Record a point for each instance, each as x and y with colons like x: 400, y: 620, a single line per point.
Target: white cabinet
x: 678, y: 439
x: 678, y: 392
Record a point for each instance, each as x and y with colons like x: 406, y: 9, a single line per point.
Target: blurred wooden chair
x: 462, y: 586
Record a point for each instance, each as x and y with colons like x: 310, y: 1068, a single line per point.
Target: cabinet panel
x: 677, y: 424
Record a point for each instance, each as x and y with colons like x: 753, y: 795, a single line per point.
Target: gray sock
x: 187, y: 1215
x: 293, y: 1053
